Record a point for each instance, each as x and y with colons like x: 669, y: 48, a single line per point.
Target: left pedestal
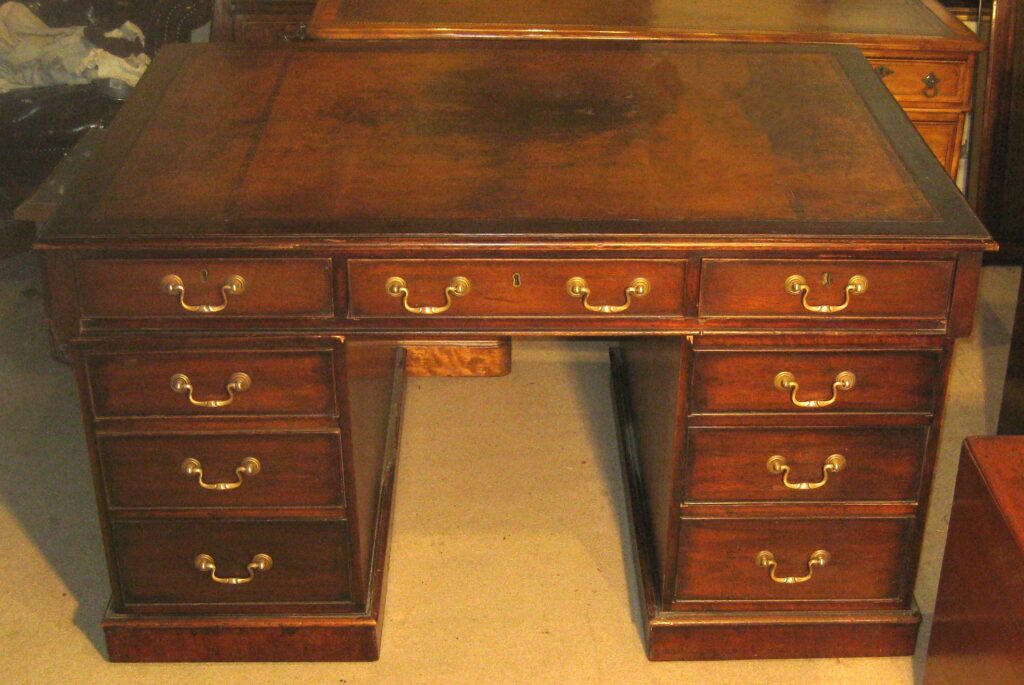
x: 244, y: 485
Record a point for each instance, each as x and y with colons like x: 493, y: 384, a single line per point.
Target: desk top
x: 513, y: 140
x: 913, y: 23
x: 1000, y: 462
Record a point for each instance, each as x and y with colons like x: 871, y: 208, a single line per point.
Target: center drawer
x: 220, y: 470
x: 482, y: 288
x: 212, y: 383
x: 814, y: 381
x: 159, y: 562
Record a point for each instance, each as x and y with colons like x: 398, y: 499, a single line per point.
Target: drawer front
x: 719, y: 559
x: 207, y: 289
x: 517, y: 288
x: 156, y: 561
x: 813, y: 382
x: 803, y: 464
x: 826, y: 290
x: 925, y: 83
x: 943, y: 137
x: 213, y: 471
x: 130, y: 384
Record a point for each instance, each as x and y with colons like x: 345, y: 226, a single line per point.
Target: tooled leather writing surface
x: 517, y: 138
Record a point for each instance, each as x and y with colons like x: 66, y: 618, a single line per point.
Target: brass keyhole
x: 516, y: 280
x: 826, y: 279
x: 204, y: 275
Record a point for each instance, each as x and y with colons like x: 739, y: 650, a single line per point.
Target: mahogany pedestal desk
x: 976, y: 636
x: 262, y: 233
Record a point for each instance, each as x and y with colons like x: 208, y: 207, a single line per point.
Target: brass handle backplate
x: 784, y: 380
x: 175, y: 287
x: 250, y: 466
x: 204, y: 564
x: 834, y: 463
x: 766, y: 559
x: 931, y: 84
x: 237, y: 382
x: 797, y: 285
x: 577, y: 287
x: 396, y: 287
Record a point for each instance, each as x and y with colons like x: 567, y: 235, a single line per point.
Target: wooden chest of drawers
x: 786, y: 307
x: 923, y: 54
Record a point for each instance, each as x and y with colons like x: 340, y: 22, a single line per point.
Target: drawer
x: 156, y: 561
x: 942, y: 132
x: 814, y: 381
x: 826, y: 290
x: 208, y: 289
x: 270, y: 29
x: 516, y: 288
x: 213, y: 383
x: 218, y: 470
x: 721, y: 559
x: 925, y: 83
x: 803, y: 464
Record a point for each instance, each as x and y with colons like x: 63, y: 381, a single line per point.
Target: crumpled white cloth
x: 33, y: 54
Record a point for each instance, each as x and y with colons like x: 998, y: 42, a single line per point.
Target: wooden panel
x: 233, y: 638
x: 282, y: 382
x: 374, y: 397
x: 718, y: 558
x: 730, y: 464
x: 976, y: 636
x: 516, y: 288
x: 926, y: 83
x: 295, y: 469
x: 751, y: 287
x: 702, y: 636
x: 782, y: 20
x: 649, y: 390
x: 898, y: 381
x: 123, y: 288
x: 480, y: 358
x: 156, y: 561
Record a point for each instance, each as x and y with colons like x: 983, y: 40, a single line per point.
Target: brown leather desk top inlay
x: 443, y: 139
x: 923, y: 54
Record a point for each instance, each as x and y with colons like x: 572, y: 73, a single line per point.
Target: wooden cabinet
x: 784, y: 303
x: 923, y: 55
